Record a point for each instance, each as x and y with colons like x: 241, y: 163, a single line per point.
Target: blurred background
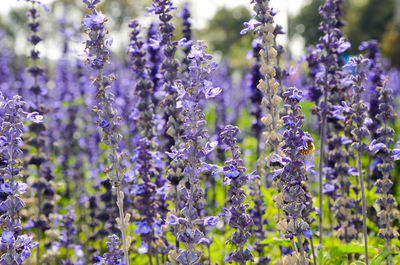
x: 217, y: 22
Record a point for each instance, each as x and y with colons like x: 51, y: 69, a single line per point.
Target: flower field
x: 168, y: 154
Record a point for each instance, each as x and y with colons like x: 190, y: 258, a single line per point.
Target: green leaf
x: 357, y: 263
x: 377, y: 260
x: 338, y: 253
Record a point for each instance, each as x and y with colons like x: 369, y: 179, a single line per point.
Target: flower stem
x: 302, y: 255
x: 149, y: 256
x: 313, y: 251
x: 38, y: 232
x: 321, y: 165
x: 294, y: 249
x: 364, y: 206
x: 120, y: 203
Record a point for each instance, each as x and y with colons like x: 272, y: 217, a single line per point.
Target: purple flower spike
x: 235, y: 213
x: 16, y: 245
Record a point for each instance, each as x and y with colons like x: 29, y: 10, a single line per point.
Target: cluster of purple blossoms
x: 359, y: 130
x: 171, y: 114
x: 256, y: 95
x: 169, y: 68
x: 43, y: 186
x: 375, y: 78
x: 236, y: 215
x: 97, y: 52
x: 193, y: 151
x: 163, y: 127
x: 144, y: 86
x: 266, y: 106
x: 67, y: 239
x: 114, y: 255
x: 294, y: 198
x: 327, y: 90
x: 15, y: 245
x: 187, y: 36
x: 150, y: 198
x: 155, y: 59
x: 384, y: 139
x: 148, y: 204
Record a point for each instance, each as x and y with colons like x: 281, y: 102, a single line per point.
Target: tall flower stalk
x: 169, y: 68
x: 236, y: 213
x: 360, y: 131
x: 257, y: 127
x: 97, y: 52
x: 147, y: 201
x: 43, y: 185
x: 262, y: 24
x: 381, y: 146
x: 16, y: 245
x: 187, y: 35
x: 172, y: 114
x: 155, y: 60
x: 256, y: 95
x: 294, y: 198
x: 327, y: 74
x: 193, y: 151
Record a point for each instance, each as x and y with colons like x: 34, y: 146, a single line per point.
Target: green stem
x: 120, y: 204
x: 313, y: 251
x: 364, y: 206
x: 302, y: 254
x: 38, y: 232
x: 321, y: 165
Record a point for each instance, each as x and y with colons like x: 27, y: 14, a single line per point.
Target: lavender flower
x: 256, y: 95
x: 376, y: 77
x: 97, y: 51
x: 68, y: 238
x: 236, y: 214
x: 16, y: 246
x: 169, y: 68
x: 326, y: 75
x: 360, y: 131
x: 148, y: 204
x: 144, y: 86
x: 193, y: 151
x: 187, y: 35
x: 387, y: 203
x: 172, y: 114
x: 114, y: 255
x: 268, y: 85
x: 43, y: 186
x: 152, y: 197
x: 294, y: 199
x: 155, y: 60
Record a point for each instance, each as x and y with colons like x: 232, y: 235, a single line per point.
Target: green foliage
x: 222, y: 33
x: 306, y: 23
x: 339, y: 254
x: 382, y: 257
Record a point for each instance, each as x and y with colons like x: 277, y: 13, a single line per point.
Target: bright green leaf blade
x: 377, y: 260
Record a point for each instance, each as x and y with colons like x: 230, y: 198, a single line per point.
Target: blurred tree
x: 306, y: 23
x: 222, y: 33
x: 366, y: 19
x: 391, y: 44
x: 119, y: 13
x: 370, y: 21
